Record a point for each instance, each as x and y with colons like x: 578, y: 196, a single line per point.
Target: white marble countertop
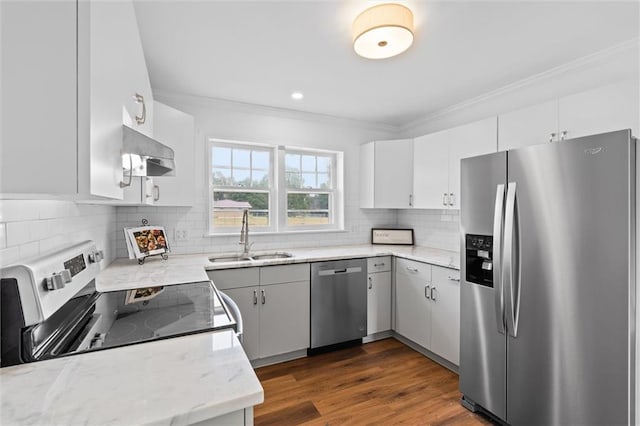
x: 174, y: 381
x: 124, y: 274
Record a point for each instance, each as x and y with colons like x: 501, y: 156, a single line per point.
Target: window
x: 241, y: 179
x: 284, y: 188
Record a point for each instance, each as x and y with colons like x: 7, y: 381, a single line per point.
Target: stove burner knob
x: 58, y: 280
x: 96, y: 256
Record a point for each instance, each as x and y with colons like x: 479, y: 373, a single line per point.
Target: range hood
x: 145, y: 156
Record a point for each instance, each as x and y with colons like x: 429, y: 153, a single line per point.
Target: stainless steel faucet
x: 244, y: 233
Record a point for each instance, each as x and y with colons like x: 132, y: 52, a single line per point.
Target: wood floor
x: 379, y: 383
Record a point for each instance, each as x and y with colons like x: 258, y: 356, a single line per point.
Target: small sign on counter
x: 392, y: 236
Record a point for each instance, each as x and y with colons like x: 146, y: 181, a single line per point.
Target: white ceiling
x: 259, y: 52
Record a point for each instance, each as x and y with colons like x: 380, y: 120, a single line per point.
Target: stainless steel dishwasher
x: 338, y: 302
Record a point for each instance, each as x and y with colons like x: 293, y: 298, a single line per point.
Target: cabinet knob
x: 563, y: 135
x: 370, y: 283
x: 551, y: 136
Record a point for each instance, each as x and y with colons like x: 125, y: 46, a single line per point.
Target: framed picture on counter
x: 146, y: 241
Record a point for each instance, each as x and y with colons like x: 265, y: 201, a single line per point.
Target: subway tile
x: 9, y: 255
x: 19, y: 210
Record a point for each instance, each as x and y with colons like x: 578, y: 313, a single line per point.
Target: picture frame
x: 146, y: 241
x: 392, y: 236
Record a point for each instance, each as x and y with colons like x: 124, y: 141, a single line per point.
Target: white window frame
x: 271, y: 190
x: 278, y: 189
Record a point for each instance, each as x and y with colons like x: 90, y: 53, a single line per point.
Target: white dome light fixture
x: 383, y: 31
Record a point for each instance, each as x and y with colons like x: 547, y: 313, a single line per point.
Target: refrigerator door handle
x: 498, y: 221
x: 510, y: 263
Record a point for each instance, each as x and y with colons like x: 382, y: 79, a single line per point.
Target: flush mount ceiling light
x: 383, y: 31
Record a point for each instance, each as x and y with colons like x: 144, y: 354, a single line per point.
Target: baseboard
x: 277, y: 359
x: 377, y: 336
x: 426, y: 352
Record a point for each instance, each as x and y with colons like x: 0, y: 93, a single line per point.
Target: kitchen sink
x: 268, y: 256
x: 241, y: 258
x: 229, y: 258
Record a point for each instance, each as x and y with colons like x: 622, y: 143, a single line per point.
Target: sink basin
x: 268, y: 256
x: 240, y: 258
x: 229, y: 258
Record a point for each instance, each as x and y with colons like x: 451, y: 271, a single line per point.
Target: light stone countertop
x: 125, y: 274
x: 174, y: 381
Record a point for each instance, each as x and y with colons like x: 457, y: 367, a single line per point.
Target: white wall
x: 33, y: 227
x: 242, y: 122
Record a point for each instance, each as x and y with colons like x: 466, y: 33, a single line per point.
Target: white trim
x: 584, y: 62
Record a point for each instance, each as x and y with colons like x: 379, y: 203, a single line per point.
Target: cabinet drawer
x: 284, y: 273
x: 379, y: 264
x: 234, y: 278
x: 413, y: 269
x: 442, y: 275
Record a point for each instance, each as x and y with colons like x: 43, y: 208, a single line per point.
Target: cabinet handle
x: 563, y: 135
x: 452, y: 199
x: 454, y: 279
x: 157, y: 191
x: 122, y: 184
x: 426, y: 291
x: 255, y: 297
x: 412, y: 269
x: 142, y: 118
x: 375, y: 265
x: 410, y: 200
x: 444, y: 199
x: 370, y: 283
x: 551, y: 136
x: 264, y: 297
x: 432, y: 296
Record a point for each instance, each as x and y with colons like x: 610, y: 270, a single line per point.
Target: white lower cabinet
x: 275, y: 306
x: 445, y: 313
x: 428, y: 307
x: 378, y: 294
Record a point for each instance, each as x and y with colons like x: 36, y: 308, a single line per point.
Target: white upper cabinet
x: 528, y: 126
x: 71, y: 72
x: 436, y: 162
x: 603, y: 109
x: 386, y: 177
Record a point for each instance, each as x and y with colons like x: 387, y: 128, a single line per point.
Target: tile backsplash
x: 433, y: 228
x: 32, y: 227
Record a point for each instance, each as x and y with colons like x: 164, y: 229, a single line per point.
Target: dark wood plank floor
x: 379, y: 383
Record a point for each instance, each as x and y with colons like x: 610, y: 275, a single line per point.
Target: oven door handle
x: 235, y: 313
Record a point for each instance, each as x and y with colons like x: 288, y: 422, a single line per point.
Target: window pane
x: 221, y: 157
x: 292, y: 162
x: 294, y: 180
x: 241, y: 177
x: 307, y: 209
x: 260, y: 160
x: 221, y: 177
x: 324, y: 164
x: 241, y: 158
x: 308, y: 163
x: 229, y: 206
x: 323, y: 181
x: 308, y: 180
x: 260, y: 179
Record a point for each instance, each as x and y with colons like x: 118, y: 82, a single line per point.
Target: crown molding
x: 584, y: 62
x: 248, y: 108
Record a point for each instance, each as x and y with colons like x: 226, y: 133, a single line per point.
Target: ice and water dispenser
x: 479, y: 259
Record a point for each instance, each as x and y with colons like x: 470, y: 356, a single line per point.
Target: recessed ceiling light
x: 297, y: 96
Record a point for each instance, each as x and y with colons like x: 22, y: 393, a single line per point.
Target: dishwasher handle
x: 352, y: 270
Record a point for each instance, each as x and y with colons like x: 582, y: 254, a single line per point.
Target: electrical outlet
x: 181, y: 235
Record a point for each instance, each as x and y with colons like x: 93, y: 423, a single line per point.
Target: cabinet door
x: 176, y: 130
x: 431, y: 170
x: 533, y: 125
x: 367, y: 174
x: 604, y: 109
x: 393, y: 175
x: 378, y: 302
x: 247, y: 299
x: 38, y: 111
x: 413, y: 313
x: 470, y: 140
x: 445, y: 314
x: 284, y: 318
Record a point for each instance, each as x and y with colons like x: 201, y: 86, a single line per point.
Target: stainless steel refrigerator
x: 548, y: 282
